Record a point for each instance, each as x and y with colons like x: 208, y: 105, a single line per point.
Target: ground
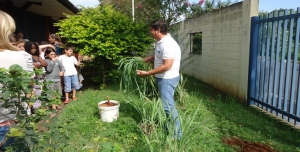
x: 246, y: 146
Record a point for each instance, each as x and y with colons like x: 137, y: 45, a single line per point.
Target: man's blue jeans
x: 166, y: 89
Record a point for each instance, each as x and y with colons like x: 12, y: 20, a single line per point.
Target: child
x: 70, y: 74
x: 80, y: 78
x: 38, y: 63
x: 33, y: 49
x: 13, y: 39
x: 20, y: 44
x: 54, y: 70
x: 43, y: 49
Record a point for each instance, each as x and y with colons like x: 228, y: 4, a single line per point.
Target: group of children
x: 58, y: 64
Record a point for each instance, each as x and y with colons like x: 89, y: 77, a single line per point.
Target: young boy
x: 70, y: 76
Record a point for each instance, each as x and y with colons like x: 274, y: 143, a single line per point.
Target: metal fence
x: 273, y: 83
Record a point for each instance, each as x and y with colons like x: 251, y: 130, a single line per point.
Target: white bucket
x: 109, y: 114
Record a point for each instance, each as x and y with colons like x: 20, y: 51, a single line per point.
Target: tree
x: 209, y: 5
x: 124, y: 6
x: 146, y: 11
x: 107, y: 36
x: 172, y: 11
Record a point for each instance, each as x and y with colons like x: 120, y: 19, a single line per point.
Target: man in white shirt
x: 166, y: 69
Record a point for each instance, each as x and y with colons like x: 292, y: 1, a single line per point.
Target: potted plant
x: 109, y: 110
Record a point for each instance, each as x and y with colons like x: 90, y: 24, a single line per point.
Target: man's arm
x: 167, y: 65
x: 149, y: 58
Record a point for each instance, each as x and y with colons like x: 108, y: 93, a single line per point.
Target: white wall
x: 225, y: 47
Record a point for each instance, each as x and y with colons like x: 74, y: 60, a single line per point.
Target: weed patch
x: 207, y: 116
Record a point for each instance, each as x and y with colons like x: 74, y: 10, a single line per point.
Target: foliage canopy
x: 106, y: 35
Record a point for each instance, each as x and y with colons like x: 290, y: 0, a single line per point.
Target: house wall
x: 34, y: 27
x: 225, y: 47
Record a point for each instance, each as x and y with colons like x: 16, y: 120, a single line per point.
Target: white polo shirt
x: 167, y: 48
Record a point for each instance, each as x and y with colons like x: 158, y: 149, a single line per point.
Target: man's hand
x: 142, y: 73
x: 149, y: 58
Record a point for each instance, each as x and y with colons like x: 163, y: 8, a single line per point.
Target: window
x: 196, y: 43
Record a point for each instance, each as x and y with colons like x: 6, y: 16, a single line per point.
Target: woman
x: 55, y: 40
x: 9, y: 55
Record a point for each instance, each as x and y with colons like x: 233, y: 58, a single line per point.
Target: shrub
x: 107, y: 36
x: 16, y: 91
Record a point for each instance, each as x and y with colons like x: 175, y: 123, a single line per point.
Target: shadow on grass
x: 131, y: 111
x: 248, y: 123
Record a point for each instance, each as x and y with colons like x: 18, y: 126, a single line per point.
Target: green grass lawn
x: 218, y: 116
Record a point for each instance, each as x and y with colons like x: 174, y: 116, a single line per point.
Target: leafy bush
x: 197, y: 43
x: 107, y: 36
x: 17, y: 92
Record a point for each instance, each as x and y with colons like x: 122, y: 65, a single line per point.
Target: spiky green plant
x: 180, y: 93
x: 130, y: 81
x: 153, y: 126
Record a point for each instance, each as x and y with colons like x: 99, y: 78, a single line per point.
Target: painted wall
x: 225, y: 47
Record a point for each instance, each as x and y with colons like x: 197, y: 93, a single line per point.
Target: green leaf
x: 106, y: 146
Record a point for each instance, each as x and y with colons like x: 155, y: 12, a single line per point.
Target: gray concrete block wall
x: 225, y: 47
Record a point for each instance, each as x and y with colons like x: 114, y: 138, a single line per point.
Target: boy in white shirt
x: 70, y: 75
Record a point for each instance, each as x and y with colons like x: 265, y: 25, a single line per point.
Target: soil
x: 108, y: 104
x: 246, y: 146
x: 148, y: 128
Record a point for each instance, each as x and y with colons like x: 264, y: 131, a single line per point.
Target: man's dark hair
x: 159, y: 25
x: 70, y: 47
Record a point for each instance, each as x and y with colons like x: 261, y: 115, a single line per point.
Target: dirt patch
x: 148, y: 128
x: 42, y: 124
x: 246, y: 146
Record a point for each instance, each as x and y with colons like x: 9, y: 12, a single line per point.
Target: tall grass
x: 154, y: 123
x: 181, y: 93
x: 206, y: 117
x: 154, y: 120
x: 131, y: 82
